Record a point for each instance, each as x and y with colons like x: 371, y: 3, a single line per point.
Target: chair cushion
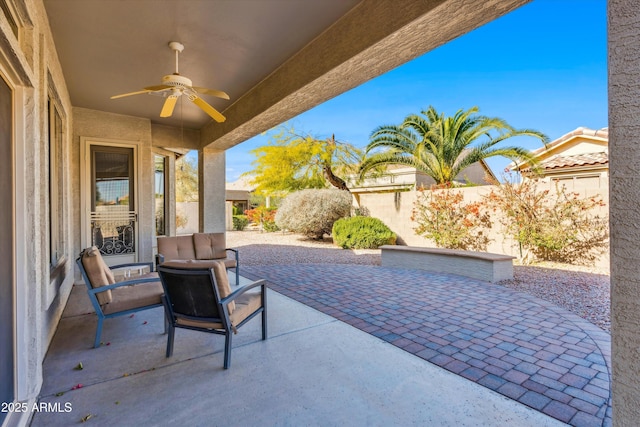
x: 222, y: 279
x: 246, y: 304
x: 198, y: 263
x: 176, y: 247
x: 219, y: 271
x: 98, y: 272
x: 209, y: 245
x: 136, y: 296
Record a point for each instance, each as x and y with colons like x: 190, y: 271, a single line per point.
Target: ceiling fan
x: 174, y: 85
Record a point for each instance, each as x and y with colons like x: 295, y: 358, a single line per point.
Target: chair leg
x: 96, y: 343
x: 227, y: 350
x: 170, y: 335
x: 237, y: 276
x: 264, y: 323
x: 264, y: 312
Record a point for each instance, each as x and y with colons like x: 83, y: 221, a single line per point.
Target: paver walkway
x: 520, y: 346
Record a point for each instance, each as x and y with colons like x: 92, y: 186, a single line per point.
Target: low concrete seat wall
x: 478, y: 265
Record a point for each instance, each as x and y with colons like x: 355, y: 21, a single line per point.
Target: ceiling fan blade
x: 157, y: 88
x: 169, y: 104
x: 129, y: 94
x: 215, y: 114
x: 212, y: 92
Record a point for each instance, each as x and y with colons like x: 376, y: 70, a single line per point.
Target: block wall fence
x: 395, y: 208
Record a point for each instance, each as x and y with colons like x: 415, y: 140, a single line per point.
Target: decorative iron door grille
x: 114, y: 233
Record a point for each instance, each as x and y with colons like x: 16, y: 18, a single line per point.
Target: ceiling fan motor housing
x: 176, y: 80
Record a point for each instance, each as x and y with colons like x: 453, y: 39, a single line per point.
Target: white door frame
x: 85, y: 191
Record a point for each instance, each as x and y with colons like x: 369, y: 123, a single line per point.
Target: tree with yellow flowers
x: 292, y: 162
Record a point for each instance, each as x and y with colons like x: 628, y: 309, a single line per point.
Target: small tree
x: 313, y: 212
x: 292, y: 162
x: 187, y: 179
x: 560, y: 226
x: 443, y: 217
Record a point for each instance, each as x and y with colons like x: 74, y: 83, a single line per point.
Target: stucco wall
x: 624, y: 158
x: 395, y: 210
x: 29, y: 65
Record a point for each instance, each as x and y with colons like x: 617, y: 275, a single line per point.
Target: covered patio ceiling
x: 275, y: 58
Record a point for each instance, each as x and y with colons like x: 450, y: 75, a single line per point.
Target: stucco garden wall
x: 395, y: 210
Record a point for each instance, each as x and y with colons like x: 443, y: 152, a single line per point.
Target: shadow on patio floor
x: 313, y: 370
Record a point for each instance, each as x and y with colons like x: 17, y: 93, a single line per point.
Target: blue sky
x: 543, y: 66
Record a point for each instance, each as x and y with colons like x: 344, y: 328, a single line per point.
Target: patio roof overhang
x: 276, y: 59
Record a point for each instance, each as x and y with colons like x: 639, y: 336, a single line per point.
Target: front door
x: 113, y: 216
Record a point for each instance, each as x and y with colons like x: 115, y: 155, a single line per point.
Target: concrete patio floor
x: 313, y: 370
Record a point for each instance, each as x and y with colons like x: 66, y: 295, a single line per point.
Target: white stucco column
x: 624, y: 184
x: 211, y: 190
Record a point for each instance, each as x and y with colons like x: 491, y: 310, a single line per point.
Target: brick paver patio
x: 520, y: 346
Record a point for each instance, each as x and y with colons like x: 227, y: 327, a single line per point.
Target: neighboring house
x: 402, y: 178
x: 578, y: 160
x: 238, y: 194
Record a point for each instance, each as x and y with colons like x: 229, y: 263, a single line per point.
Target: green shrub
x: 270, y: 226
x: 240, y: 222
x: 362, y: 232
x: 312, y: 212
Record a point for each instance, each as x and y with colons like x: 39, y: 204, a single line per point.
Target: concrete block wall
x: 395, y: 210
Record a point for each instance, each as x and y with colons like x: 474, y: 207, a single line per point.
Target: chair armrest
x: 235, y: 294
x: 159, y: 259
x: 134, y: 264
x: 125, y: 283
x: 235, y: 251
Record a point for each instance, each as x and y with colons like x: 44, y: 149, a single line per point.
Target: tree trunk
x: 337, y: 182
x: 333, y: 179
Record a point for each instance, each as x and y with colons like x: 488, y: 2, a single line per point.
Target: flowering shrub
x: 556, y: 227
x: 313, y: 212
x: 443, y: 217
x: 264, y: 216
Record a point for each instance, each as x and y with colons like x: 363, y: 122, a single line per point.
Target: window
x: 56, y: 184
x: 160, y: 184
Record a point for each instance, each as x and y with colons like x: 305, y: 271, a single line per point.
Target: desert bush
x: 556, y: 227
x: 362, y: 232
x: 312, y: 212
x: 263, y: 216
x: 443, y: 217
x: 240, y: 222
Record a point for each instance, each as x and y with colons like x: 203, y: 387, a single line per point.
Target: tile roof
x: 586, y: 159
x: 581, y: 131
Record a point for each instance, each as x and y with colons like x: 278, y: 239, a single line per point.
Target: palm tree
x: 441, y: 146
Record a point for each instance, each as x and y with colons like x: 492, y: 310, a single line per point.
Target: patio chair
x: 198, y: 248
x: 202, y: 300
x: 111, y: 298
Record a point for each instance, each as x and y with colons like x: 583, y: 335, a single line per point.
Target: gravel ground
x: 581, y: 290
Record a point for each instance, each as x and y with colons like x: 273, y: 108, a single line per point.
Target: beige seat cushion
x: 198, y: 263
x: 219, y: 271
x: 178, y: 247
x: 98, y: 272
x: 136, y: 296
x: 209, y: 245
x: 222, y: 279
x: 245, y: 305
